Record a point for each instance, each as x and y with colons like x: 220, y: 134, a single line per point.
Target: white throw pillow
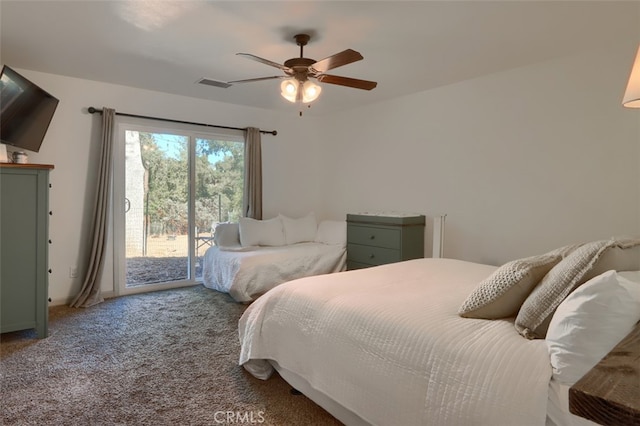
x: 332, y: 232
x: 588, y: 324
x: 227, y: 234
x: 261, y: 232
x: 299, y: 230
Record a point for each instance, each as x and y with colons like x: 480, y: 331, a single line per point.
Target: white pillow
x: 227, y: 234
x: 332, y: 232
x: 631, y: 281
x: 299, y: 230
x: 630, y: 275
x: 588, y: 324
x: 261, y: 232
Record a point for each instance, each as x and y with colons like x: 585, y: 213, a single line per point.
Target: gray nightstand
x: 376, y: 239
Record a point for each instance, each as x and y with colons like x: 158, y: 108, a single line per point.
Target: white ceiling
x: 407, y: 46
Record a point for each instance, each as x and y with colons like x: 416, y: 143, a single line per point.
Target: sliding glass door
x: 174, y: 186
x: 156, y: 208
x: 218, y: 186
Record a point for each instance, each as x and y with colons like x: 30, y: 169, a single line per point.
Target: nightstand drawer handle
x: 372, y: 237
x: 371, y: 256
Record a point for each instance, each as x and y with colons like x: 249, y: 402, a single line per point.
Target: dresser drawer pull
x: 372, y: 237
x: 371, y: 256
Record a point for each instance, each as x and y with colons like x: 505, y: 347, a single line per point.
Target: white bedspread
x: 387, y: 344
x: 246, y: 274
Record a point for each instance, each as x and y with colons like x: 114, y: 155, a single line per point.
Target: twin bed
x: 386, y: 345
x: 248, y: 273
x: 251, y: 257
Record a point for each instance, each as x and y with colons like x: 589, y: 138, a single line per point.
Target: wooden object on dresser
x: 376, y: 240
x: 24, y: 240
x: 609, y: 394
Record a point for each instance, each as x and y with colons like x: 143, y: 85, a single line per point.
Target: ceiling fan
x: 297, y: 86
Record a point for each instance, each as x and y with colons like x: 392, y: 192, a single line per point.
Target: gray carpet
x: 163, y: 358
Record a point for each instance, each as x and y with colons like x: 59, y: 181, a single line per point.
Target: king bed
x: 389, y: 344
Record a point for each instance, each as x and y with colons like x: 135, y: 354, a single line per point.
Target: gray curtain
x: 252, y: 197
x: 90, y: 293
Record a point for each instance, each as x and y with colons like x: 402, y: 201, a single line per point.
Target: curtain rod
x: 93, y: 110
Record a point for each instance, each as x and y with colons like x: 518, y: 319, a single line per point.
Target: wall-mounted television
x: 26, y: 111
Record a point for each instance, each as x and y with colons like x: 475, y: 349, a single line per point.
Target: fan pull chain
x: 300, y: 112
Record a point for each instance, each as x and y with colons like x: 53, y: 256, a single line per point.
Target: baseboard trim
x: 68, y: 300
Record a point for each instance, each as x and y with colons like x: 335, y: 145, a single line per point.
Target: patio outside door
x: 175, y: 187
x: 156, y: 208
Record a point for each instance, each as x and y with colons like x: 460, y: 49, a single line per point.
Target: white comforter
x: 247, y: 273
x: 387, y: 344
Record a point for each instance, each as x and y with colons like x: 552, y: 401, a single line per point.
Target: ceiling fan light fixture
x: 310, y: 91
x: 289, y: 89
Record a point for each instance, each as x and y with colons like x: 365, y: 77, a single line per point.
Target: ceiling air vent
x: 216, y: 83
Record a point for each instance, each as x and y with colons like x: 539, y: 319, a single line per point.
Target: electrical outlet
x: 73, y: 272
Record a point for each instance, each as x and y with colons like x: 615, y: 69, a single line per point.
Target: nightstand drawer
x: 372, y: 255
x: 373, y: 236
x: 378, y: 239
x: 351, y: 265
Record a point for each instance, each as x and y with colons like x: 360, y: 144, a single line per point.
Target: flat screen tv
x: 25, y: 111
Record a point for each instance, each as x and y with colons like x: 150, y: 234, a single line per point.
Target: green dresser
x: 24, y: 240
x: 376, y: 240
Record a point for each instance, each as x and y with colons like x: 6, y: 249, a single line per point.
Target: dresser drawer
x: 373, y: 236
x: 372, y: 255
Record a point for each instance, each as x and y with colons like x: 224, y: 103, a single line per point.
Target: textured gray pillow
x: 584, y: 263
x: 503, y: 292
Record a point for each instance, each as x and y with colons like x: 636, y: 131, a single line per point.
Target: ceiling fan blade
x: 346, y: 81
x: 339, y: 59
x: 264, y: 61
x: 250, y: 80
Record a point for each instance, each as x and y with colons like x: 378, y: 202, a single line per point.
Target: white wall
x: 72, y: 146
x: 521, y: 161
